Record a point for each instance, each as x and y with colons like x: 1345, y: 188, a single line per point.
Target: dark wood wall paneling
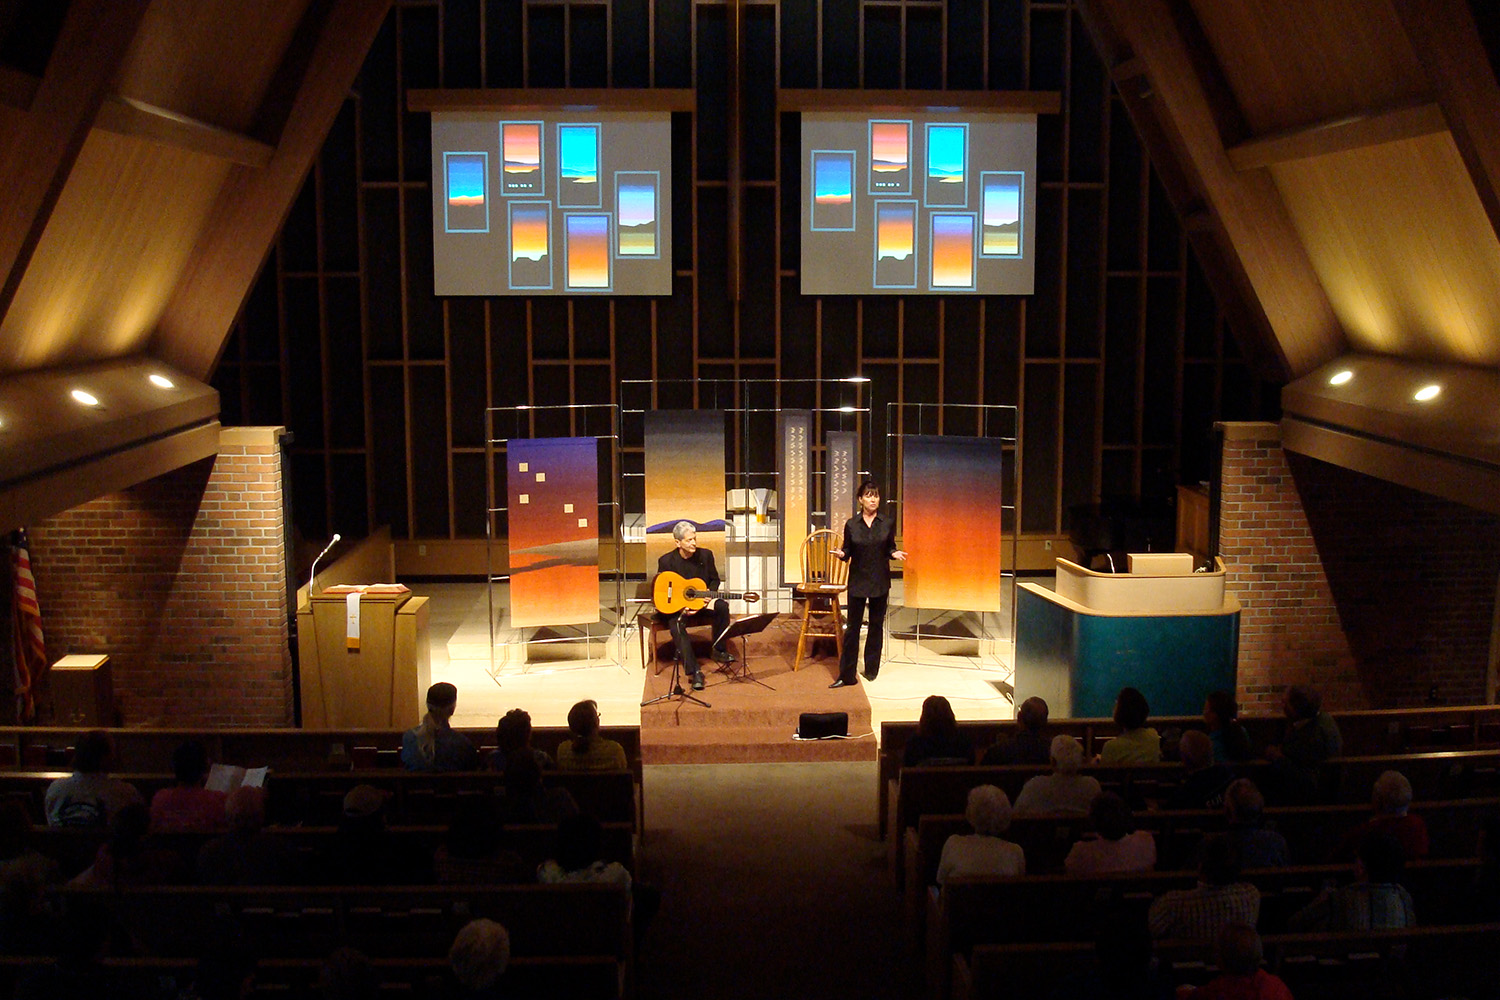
x: 1119, y: 364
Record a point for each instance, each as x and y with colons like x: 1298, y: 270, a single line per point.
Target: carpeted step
x: 750, y: 745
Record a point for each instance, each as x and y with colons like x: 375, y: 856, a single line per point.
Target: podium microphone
x: 314, y: 577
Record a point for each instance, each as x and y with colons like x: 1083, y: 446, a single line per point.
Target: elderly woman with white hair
x: 1064, y: 792
x: 983, y: 852
x: 1390, y: 799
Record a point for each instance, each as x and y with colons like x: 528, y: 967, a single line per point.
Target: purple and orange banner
x: 950, y: 504
x: 685, y: 480
x: 552, y: 486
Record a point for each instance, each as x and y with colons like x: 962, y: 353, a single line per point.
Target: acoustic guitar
x: 672, y: 593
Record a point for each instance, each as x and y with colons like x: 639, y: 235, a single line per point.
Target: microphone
x: 313, y: 578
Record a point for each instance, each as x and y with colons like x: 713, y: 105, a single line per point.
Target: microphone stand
x: 313, y: 579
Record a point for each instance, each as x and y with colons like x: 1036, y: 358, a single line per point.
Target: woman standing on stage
x: 869, y: 546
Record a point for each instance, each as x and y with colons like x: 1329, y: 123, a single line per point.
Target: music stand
x: 747, y: 626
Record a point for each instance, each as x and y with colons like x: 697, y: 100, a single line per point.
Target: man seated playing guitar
x: 687, y: 560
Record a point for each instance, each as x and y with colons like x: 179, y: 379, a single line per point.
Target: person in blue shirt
x: 433, y: 745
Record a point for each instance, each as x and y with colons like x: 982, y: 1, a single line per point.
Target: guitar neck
x: 694, y: 594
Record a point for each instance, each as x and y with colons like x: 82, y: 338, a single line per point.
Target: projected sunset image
x: 467, y: 210
x: 578, y: 165
x: 895, y: 244
x: 521, y: 152
x: 635, y: 205
x: 587, y: 251
x: 952, y: 251
x: 530, y: 246
x: 946, y: 158
x: 1002, y: 214
x: 890, y: 157
x: 833, y: 189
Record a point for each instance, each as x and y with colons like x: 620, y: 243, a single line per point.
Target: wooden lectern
x: 380, y: 683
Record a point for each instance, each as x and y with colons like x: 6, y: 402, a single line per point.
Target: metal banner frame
x: 503, y: 424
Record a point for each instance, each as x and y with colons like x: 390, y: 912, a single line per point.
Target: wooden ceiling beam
x: 251, y: 206
x: 1186, y: 117
x: 38, y: 153
x: 1370, y: 128
x: 1447, y: 42
x: 126, y: 116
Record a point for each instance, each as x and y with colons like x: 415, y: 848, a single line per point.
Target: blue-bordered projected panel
x: 895, y: 243
x: 952, y: 237
x: 530, y: 232
x: 586, y: 251
x: 544, y: 166
x: 466, y: 203
x: 523, y: 171
x: 833, y: 190
x: 1000, y: 212
x: 946, y: 173
x: 975, y: 171
x: 638, y: 214
x: 889, y: 157
x: 578, y: 166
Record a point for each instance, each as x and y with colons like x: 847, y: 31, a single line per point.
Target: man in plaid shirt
x: 1220, y: 898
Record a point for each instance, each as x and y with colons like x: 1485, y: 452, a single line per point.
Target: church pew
x: 968, y: 912
x: 573, y: 919
x: 1415, y: 963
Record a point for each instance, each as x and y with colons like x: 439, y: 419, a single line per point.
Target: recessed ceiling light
x: 846, y: 409
x: 1341, y: 377
x: 1427, y: 392
x: 162, y: 382
x: 86, y: 398
x: 856, y: 378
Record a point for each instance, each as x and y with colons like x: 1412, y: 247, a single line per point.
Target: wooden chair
x: 824, y: 579
x: 648, y: 625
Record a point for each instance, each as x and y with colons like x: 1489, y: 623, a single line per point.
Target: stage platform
x: 748, y: 722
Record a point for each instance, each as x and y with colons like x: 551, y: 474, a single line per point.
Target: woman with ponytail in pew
x: 434, y: 745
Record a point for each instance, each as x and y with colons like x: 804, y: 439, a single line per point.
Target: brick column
x: 182, y: 581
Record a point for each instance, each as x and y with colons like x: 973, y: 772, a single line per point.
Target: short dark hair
x: 92, y: 752
x: 867, y: 486
x: 1238, y: 949
x: 1220, y: 863
x: 513, y: 731
x: 579, y: 840
x: 190, y: 762
x: 1032, y: 713
x: 1131, y: 709
x: 1223, y: 705
x: 1111, y: 816
x: 1305, y: 703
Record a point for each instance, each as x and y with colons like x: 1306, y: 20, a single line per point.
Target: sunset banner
x: 586, y: 250
x: 637, y: 206
x: 466, y: 210
x: 890, y: 157
x: 530, y: 258
x: 895, y: 244
x: 521, y: 159
x: 685, y: 480
x: 832, y: 190
x: 950, y: 522
x: 952, y: 251
x: 793, y: 447
x: 552, y: 486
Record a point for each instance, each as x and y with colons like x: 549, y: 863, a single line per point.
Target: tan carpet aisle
x: 774, y: 886
x: 750, y: 722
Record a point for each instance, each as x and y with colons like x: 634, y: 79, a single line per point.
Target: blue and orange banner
x: 552, y: 495
x: 950, y: 510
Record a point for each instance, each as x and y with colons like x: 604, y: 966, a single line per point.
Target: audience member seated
x: 1221, y: 714
x: 1390, y: 800
x: 937, y: 740
x: 1115, y: 845
x: 1219, y: 898
x: 1064, y: 791
x: 1030, y: 744
x: 580, y: 849
x: 348, y: 974
x: 188, y: 807
x: 363, y: 851
x: 1239, y: 954
x: 129, y: 857
x: 478, y: 958
x: 587, y: 750
x: 1375, y: 901
x: 525, y: 799
x: 513, y: 735
x: 25, y: 874
x: 1311, y: 736
x: 89, y: 796
x: 18, y: 856
x: 983, y: 852
x: 434, y: 745
x: 1124, y: 966
x: 1203, y: 781
x: 1258, y: 844
x: 1137, y: 743
x: 246, y: 855
x: 473, y: 852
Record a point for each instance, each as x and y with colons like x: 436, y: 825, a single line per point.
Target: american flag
x: 31, y: 651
